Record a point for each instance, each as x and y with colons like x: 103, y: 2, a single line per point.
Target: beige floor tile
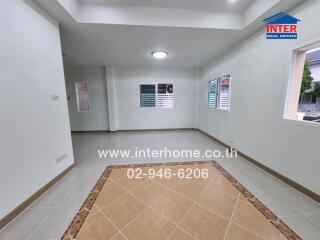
x: 242, y: 198
x: 170, y: 201
x: 172, y: 206
x: 120, y: 176
x: 189, y: 188
x: 149, y: 191
x: 118, y: 236
x: 283, y: 237
x: 149, y: 225
x: 236, y: 232
x: 168, y: 183
x: 212, y: 171
x: 204, y: 225
x: 177, y: 179
x: 218, y: 202
x: 220, y: 183
x: 93, y: 211
x: 96, y: 228
x: 247, y: 216
x: 109, y: 193
x: 178, y: 234
x: 191, y: 174
x: 124, y: 210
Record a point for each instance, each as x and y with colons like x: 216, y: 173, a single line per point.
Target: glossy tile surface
x: 152, y: 209
x: 298, y: 211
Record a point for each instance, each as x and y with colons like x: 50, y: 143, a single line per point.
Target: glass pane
x: 147, y: 95
x: 212, y: 94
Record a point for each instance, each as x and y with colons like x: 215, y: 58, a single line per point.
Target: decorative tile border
x: 77, y: 222
x: 269, y: 215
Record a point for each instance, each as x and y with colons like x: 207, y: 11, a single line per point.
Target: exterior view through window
x: 304, y: 101
x: 219, y: 93
x: 156, y: 95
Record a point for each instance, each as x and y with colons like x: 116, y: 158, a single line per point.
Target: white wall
x: 97, y: 118
x: 34, y: 129
x: 129, y: 114
x: 260, y: 69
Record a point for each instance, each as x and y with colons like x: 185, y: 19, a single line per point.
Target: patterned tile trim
x: 269, y: 215
x: 77, y: 222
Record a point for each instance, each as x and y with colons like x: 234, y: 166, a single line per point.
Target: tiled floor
x: 173, y: 208
x: 52, y: 213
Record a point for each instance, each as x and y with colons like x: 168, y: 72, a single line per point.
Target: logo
x: 281, y: 26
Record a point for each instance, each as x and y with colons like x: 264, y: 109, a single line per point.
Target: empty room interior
x: 160, y: 120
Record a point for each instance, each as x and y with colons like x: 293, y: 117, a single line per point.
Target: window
x: 303, y: 97
x: 219, y: 93
x: 160, y: 95
x: 212, y: 94
x: 82, y: 96
x: 147, y: 95
x: 165, y: 96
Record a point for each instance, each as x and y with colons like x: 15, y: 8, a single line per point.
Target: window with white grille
x: 224, y: 93
x: 82, y: 96
x: 219, y: 93
x: 165, y: 95
x: 156, y: 95
x: 147, y: 95
x: 212, y: 94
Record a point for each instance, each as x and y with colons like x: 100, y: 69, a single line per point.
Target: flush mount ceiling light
x: 159, y: 54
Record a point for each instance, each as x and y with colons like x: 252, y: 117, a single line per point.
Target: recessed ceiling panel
x: 92, y: 37
x: 204, y: 5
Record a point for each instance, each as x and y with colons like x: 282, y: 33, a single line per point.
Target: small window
x: 224, y: 93
x: 212, y: 94
x: 303, y: 97
x: 165, y: 96
x: 147, y: 95
x: 160, y: 95
x: 82, y: 96
x: 219, y: 93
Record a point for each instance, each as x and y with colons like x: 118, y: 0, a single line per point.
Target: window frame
x: 218, y: 79
x: 156, y: 96
x: 77, y: 96
x: 157, y: 93
x: 302, y: 47
x: 209, y: 83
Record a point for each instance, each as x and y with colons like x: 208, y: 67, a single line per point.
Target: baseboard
x: 14, y: 213
x: 153, y: 129
x: 90, y: 131
x: 290, y: 182
x: 132, y: 130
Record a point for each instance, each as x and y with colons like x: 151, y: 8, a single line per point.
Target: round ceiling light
x: 159, y: 54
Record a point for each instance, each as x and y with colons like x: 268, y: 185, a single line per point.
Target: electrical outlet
x: 61, y: 158
x: 55, y: 97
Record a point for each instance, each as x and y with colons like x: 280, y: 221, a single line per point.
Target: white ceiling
x: 88, y: 38
x: 204, y: 5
